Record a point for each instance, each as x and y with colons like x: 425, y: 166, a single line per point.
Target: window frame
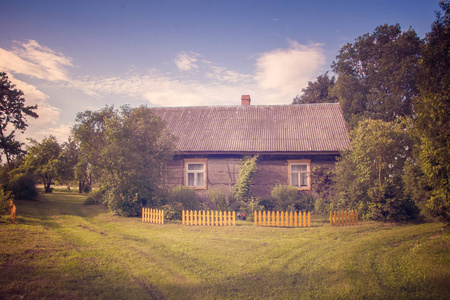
x: 188, y: 161
x: 306, y: 162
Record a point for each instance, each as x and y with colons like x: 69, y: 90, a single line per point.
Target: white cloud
x: 282, y: 73
x: 31, y: 59
x: 186, y: 61
x: 279, y: 76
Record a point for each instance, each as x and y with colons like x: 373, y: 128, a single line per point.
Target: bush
x: 284, y: 196
x: 24, y: 188
x: 5, y: 199
x: 268, y: 203
x: 220, y: 199
x: 94, y: 197
x: 173, y: 211
x: 186, y: 196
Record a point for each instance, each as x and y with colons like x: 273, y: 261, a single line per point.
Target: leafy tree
x: 369, y: 177
x: 42, y: 161
x: 433, y: 116
x: 13, y: 114
x: 89, y: 134
x: 376, y: 75
x: 129, y: 154
x: 318, y: 91
x: 67, y: 161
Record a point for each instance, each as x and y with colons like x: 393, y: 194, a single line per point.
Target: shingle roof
x: 282, y: 128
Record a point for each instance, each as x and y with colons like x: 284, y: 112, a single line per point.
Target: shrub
x: 94, y: 197
x: 186, y: 196
x: 172, y: 211
x: 24, y: 188
x: 5, y: 199
x: 268, y: 203
x: 284, y: 196
x: 220, y: 199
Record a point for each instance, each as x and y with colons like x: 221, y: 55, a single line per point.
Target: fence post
x: 309, y: 219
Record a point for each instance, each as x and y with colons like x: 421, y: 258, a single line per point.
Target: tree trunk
x: 80, y: 186
x: 47, y: 184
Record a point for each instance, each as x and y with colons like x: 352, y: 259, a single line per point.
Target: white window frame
x: 297, y: 162
x: 196, y: 161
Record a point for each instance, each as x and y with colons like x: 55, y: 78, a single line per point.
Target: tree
x: 13, y: 113
x: 376, y: 75
x: 433, y: 115
x: 67, y: 161
x: 318, y: 91
x: 42, y: 160
x: 89, y: 134
x: 369, y: 177
x: 131, y: 148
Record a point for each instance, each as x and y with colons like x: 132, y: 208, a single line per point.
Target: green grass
x: 60, y: 249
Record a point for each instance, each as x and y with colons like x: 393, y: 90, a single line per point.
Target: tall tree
x: 317, y: 91
x: 133, y: 145
x: 13, y: 114
x: 433, y: 113
x: 42, y: 160
x: 89, y: 134
x: 369, y: 177
x: 376, y: 75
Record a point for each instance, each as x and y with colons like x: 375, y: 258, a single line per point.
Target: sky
x: 72, y: 56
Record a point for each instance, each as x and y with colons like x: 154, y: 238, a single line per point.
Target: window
x: 195, y: 173
x: 299, y: 171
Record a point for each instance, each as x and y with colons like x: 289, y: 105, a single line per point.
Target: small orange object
x: 12, y: 209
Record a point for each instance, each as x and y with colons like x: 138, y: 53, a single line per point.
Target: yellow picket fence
x: 282, y: 219
x: 155, y: 216
x: 208, y: 218
x: 341, y: 218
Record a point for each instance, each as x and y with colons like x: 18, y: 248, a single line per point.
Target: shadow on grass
x: 55, y: 204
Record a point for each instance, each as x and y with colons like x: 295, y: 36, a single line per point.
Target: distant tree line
x: 394, y: 91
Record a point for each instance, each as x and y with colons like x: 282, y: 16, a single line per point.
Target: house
x: 290, y: 139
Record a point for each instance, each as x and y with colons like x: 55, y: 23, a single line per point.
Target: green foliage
x: 5, y: 200
x: 369, y: 178
x: 177, y: 199
x: 24, y: 188
x: 318, y: 91
x: 376, y: 75
x: 95, y: 197
x: 284, y: 196
x: 186, y: 196
x: 249, y: 207
x: 126, y: 150
x: 433, y: 116
x: 42, y: 160
x: 13, y: 114
x: 220, y: 199
x: 242, y: 188
x: 323, y: 185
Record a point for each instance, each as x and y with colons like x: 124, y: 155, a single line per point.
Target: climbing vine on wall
x: 242, y: 189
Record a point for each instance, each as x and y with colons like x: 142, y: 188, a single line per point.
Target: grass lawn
x: 60, y: 249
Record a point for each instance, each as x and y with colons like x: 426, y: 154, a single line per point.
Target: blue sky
x: 70, y: 56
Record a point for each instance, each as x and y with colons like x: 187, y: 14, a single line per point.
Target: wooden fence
x: 155, y: 216
x: 341, y: 218
x: 282, y: 219
x: 208, y: 218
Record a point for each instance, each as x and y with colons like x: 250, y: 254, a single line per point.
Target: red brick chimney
x: 245, y: 100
